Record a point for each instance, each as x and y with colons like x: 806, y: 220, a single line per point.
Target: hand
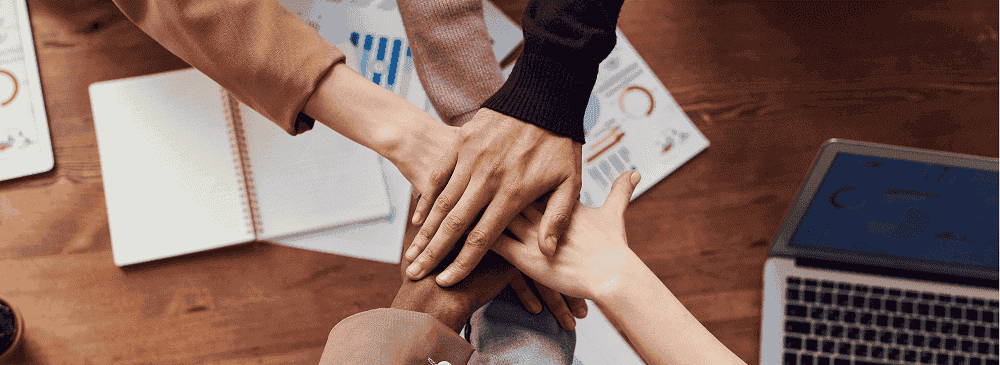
x: 427, y: 155
x: 454, y: 305
x: 594, y: 255
x: 563, y: 307
x: 506, y: 164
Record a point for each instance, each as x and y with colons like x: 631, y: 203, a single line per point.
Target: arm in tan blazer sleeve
x: 452, y: 54
x: 266, y: 56
x: 394, y: 336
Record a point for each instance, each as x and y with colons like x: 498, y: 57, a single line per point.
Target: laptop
x: 887, y: 256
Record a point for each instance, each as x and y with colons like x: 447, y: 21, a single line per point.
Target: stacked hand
x: 499, y: 164
x: 503, y: 165
x: 594, y: 256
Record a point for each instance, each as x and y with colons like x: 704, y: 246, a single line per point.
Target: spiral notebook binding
x: 240, y: 159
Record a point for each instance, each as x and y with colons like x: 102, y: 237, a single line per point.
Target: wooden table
x: 766, y: 82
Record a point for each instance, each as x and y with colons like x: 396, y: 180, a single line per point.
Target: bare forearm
x: 657, y: 323
x: 364, y: 112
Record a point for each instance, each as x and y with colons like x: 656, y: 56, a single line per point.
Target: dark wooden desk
x: 766, y: 82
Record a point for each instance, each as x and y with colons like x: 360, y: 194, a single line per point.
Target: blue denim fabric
x: 504, y: 333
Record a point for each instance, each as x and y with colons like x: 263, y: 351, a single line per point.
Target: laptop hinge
x: 898, y: 273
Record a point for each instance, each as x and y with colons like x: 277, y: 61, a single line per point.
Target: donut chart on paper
x: 12, y: 90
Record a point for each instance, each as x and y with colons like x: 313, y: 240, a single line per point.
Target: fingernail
x: 535, y: 308
x: 570, y: 322
x: 411, y: 253
x: 416, y: 218
x: 413, y: 270
x: 551, y: 242
x: 581, y: 312
x: 445, y: 278
x: 634, y: 178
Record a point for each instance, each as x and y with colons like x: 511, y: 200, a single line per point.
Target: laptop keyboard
x: 835, y: 323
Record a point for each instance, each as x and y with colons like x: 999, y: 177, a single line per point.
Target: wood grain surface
x: 767, y: 82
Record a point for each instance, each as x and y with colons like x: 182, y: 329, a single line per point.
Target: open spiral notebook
x: 187, y: 168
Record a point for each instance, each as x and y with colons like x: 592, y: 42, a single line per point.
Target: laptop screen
x: 904, y: 208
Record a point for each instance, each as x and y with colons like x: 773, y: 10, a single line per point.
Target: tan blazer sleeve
x: 452, y: 53
x: 267, y: 57
x: 393, y: 336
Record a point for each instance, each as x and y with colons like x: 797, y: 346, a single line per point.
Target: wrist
x: 420, y: 297
x: 619, y: 284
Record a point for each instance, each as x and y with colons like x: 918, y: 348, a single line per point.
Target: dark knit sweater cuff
x: 303, y: 123
x: 547, y: 93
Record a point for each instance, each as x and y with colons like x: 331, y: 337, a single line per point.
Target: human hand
x: 455, y: 304
x: 506, y: 164
x: 427, y: 155
x: 593, y: 256
x: 563, y: 307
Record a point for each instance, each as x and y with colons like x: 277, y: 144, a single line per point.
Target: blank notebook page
x: 171, y: 179
x: 310, y: 182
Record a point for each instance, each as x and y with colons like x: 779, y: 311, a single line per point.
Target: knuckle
x: 439, y: 177
x: 429, y: 254
x: 452, y: 224
x: 423, y: 235
x: 514, y: 191
x: 444, y: 203
x: 476, y: 240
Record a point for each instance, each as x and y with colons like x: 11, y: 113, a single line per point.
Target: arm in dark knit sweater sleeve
x: 564, y: 42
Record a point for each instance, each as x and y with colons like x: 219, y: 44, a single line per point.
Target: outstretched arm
x: 274, y: 62
x: 595, y: 262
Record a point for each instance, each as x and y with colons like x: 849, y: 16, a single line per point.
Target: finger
x: 557, y: 216
x: 424, y: 204
x: 439, y: 180
x: 528, y: 298
x: 577, y: 305
x: 497, y: 216
x: 521, y: 228
x: 533, y: 213
x: 442, y: 206
x: 557, y: 306
x: 448, y: 233
x: 510, y: 249
x: 621, y: 192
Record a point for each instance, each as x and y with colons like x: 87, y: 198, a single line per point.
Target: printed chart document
x: 632, y: 123
x: 186, y: 168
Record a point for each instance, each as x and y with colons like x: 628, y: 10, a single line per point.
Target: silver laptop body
x: 888, y: 256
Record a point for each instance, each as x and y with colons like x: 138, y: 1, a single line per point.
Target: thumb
x: 621, y: 192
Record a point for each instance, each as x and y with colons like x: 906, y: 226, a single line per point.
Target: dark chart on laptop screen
x: 904, y: 208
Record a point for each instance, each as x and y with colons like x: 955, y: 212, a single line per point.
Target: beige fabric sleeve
x: 452, y: 53
x: 267, y: 57
x: 393, y: 336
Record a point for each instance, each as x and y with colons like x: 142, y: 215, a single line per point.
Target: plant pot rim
x: 18, y: 332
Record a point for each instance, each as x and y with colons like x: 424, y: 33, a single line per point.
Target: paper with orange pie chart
x: 632, y: 123
x: 25, y: 147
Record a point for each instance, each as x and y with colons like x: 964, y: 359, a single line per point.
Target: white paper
x: 632, y: 123
x: 598, y: 342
